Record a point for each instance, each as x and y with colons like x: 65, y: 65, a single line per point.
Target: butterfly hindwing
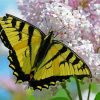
x: 59, y: 63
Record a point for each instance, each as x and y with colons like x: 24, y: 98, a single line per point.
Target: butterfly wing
x: 60, y: 62
x: 23, y: 41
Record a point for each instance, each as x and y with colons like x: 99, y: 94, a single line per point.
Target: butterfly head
x: 51, y: 35
x: 51, y: 32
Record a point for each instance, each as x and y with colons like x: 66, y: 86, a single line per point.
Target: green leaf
x: 95, y: 88
x: 61, y: 93
x: 31, y: 97
x: 97, y: 96
x: 29, y: 91
x: 59, y: 98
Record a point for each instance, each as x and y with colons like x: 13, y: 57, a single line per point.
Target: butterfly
x: 36, y: 57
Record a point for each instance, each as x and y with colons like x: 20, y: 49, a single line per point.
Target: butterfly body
x: 45, y: 45
x: 36, y: 57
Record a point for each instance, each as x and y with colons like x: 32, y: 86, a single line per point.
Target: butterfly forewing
x: 18, y: 36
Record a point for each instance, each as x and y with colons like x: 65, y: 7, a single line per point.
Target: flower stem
x: 78, y: 88
x: 89, y: 91
x: 63, y: 84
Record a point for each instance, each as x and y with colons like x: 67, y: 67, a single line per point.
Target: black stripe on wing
x: 4, y: 38
x: 18, y: 19
x: 13, y: 58
x: 17, y: 69
x: 62, y: 50
x: 67, y: 59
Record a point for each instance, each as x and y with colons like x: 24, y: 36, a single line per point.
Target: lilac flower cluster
x: 75, y: 22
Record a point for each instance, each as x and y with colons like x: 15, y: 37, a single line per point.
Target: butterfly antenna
x: 46, y: 21
x: 51, y: 29
x: 57, y: 31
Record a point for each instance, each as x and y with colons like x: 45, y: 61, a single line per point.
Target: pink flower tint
x: 97, y: 1
x: 73, y: 3
x: 10, y: 84
x: 90, y: 37
x: 76, y: 3
x: 93, y: 16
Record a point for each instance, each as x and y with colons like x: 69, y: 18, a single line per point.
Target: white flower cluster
x: 55, y: 16
x: 74, y: 27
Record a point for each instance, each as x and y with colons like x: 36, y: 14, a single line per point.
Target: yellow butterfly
x: 36, y: 57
